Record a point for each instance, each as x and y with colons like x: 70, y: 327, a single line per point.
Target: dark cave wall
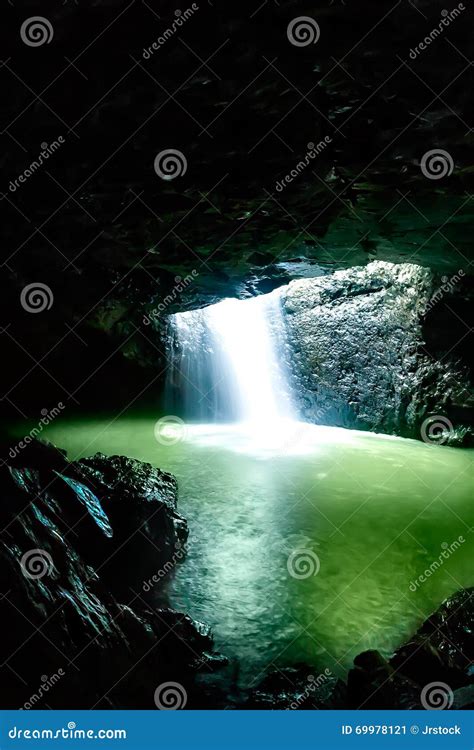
x: 372, y: 349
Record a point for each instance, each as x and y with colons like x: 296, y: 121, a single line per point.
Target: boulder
x: 77, y: 629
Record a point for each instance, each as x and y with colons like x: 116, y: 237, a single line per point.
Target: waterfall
x: 227, y: 362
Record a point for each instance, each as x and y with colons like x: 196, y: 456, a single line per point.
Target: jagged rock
x: 140, y: 501
x: 374, y: 684
x: 298, y: 688
x: 443, y: 647
x: 358, y: 352
x: 70, y: 636
x: 440, y: 652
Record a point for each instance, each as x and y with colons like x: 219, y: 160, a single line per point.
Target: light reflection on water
x: 375, y: 510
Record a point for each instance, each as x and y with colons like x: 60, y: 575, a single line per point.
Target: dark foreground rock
x: 78, y: 628
x: 433, y: 670
x: 370, y: 350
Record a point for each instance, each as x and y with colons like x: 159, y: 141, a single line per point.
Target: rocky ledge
x: 432, y: 671
x: 371, y: 348
x: 80, y: 627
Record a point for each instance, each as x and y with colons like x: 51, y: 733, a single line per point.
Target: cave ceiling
x: 243, y: 104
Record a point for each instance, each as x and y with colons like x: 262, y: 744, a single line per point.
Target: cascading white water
x: 247, y: 331
x: 227, y: 362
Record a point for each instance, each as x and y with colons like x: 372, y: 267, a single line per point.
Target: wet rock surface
x: 361, y: 359
x: 433, y: 670
x: 79, y: 630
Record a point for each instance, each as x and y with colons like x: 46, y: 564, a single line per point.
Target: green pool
x: 307, y: 546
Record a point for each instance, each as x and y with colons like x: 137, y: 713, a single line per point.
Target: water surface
x: 374, y: 512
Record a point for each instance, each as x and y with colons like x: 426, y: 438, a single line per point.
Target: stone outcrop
x: 79, y: 627
x: 432, y: 670
x: 360, y: 353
